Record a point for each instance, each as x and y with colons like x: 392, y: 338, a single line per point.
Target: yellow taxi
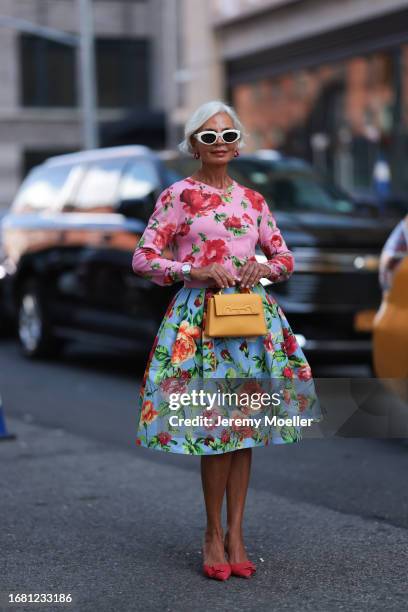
x: 390, y: 325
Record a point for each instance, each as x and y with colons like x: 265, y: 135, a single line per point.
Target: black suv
x: 69, y: 236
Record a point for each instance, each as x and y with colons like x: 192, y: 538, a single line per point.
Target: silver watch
x: 186, y: 269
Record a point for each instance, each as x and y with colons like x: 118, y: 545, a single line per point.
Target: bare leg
x: 214, y: 476
x: 237, y: 487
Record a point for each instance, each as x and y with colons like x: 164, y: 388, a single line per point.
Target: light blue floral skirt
x: 183, y: 358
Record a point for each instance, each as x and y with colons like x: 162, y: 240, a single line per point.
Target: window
x: 139, y: 187
x: 140, y: 178
x: 49, y: 76
x: 41, y: 189
x: 47, y: 72
x: 292, y: 186
x: 123, y: 73
x: 99, y: 187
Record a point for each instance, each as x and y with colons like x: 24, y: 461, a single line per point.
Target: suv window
x: 139, y: 187
x: 304, y: 193
x: 41, y: 189
x: 99, y: 188
x: 293, y: 187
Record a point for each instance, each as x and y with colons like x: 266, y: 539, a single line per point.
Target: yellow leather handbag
x: 235, y: 314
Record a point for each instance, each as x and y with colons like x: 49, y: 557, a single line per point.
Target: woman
x: 213, y: 224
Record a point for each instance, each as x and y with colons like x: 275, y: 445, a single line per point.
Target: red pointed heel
x: 244, y: 570
x: 218, y: 571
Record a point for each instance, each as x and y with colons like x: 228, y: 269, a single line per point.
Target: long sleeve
x: 280, y: 259
x: 147, y: 260
x: 393, y: 252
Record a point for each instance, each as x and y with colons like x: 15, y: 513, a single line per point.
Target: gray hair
x: 201, y: 115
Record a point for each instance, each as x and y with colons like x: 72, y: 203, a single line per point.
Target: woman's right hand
x: 216, y: 272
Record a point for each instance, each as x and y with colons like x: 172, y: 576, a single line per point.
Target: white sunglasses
x: 209, y: 137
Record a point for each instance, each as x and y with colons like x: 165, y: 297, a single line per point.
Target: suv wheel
x: 34, y: 331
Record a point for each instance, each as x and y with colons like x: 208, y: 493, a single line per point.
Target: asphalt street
x: 84, y: 511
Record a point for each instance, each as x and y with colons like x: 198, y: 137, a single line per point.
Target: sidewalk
x: 122, y: 533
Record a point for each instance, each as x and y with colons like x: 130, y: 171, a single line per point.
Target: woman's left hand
x: 252, y: 272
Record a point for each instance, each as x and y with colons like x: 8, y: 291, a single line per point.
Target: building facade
x: 39, y: 112
x: 324, y: 80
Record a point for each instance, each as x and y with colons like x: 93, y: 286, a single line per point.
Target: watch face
x: 186, y: 269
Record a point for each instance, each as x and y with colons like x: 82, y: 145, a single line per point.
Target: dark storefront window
x: 123, y: 72
x: 49, y: 74
x: 346, y: 117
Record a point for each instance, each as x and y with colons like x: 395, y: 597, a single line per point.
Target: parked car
x: 395, y: 204
x: 332, y: 297
x: 68, y: 241
x: 70, y: 233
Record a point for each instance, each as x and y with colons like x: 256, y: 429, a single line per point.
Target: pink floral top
x: 202, y: 224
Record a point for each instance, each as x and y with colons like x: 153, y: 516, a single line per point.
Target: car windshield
x: 294, y: 187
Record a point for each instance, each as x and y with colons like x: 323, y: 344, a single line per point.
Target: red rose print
x: 212, y: 200
x: 150, y: 255
x: 255, y: 198
x: 175, y: 384
x: 276, y: 240
x: 166, y: 197
x: 197, y: 202
x: 225, y: 436
x: 305, y: 373
x: 234, y: 222
x: 250, y: 387
x: 268, y: 344
x: 164, y: 438
x: 162, y: 235
x: 247, y: 218
x: 290, y: 343
x: 268, y: 250
x: 225, y: 354
x: 213, y: 251
x: 287, y: 261
x: 242, y: 431
x: 287, y: 372
x: 184, y: 229
x: 193, y: 200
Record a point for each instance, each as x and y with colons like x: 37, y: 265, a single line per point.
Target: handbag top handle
x: 242, y: 290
